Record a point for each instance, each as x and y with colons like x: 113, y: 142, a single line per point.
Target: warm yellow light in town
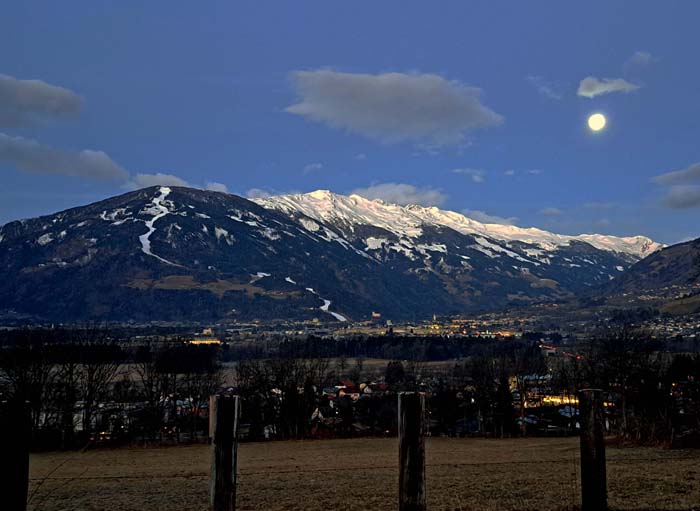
x: 596, y: 122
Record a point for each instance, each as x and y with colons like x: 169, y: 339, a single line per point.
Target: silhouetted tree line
x: 656, y: 394
x: 84, y: 386
x: 425, y: 348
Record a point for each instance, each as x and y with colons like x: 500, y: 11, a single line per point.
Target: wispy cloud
x: 158, y: 179
x: 535, y: 172
x: 142, y: 180
x: 548, y: 89
x: 258, y: 193
x: 599, y: 205
x: 213, y: 186
x: 360, y: 157
x: 30, y: 156
x: 424, y: 109
x: 264, y: 193
x: 682, y: 197
x: 24, y: 102
x: 591, y: 86
x: 639, y: 60
x: 509, y: 172
x: 477, y: 175
x: 401, y: 193
x: 485, y: 218
x: 684, y: 187
x: 690, y: 174
x: 550, y: 211
x: 312, y: 167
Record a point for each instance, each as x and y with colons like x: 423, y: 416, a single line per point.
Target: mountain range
x: 183, y: 254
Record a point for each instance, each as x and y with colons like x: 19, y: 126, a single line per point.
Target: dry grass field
x: 361, y: 474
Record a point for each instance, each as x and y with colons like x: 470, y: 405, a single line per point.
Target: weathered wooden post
x: 224, y: 453
x: 15, y: 433
x: 594, y: 493
x: 211, y: 418
x: 411, y: 452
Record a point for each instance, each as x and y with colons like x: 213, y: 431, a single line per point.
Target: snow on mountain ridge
x: 349, y: 211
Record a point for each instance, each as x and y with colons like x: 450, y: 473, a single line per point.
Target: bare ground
x: 361, y: 474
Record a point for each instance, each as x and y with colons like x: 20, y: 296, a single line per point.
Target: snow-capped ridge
x: 349, y: 211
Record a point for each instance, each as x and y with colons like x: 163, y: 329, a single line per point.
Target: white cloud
x: 312, y: 167
x: 485, y: 218
x: 684, y: 187
x: 591, y: 86
x: 258, y: 193
x: 550, y: 211
x: 158, y: 179
x: 476, y: 175
x: 547, y: 89
x: 23, y: 102
x: 360, y: 156
x: 509, y: 172
x: 400, y: 193
x: 30, y: 156
x: 600, y: 205
x: 690, y: 174
x: 639, y: 60
x: 424, y: 109
x: 264, y: 193
x: 535, y: 172
x: 213, y: 186
x: 140, y: 180
x: 682, y: 197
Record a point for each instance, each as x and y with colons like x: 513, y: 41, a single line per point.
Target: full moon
x: 596, y: 122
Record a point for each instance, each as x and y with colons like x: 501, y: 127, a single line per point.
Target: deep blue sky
x: 200, y: 91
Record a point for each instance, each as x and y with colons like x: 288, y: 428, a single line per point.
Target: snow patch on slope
x: 324, y: 308
x: 348, y: 212
x: 158, y: 210
x: 44, y: 239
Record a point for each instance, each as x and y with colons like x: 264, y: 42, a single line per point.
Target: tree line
x: 86, y: 385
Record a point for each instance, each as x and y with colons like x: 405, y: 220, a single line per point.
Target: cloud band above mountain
x: 424, y: 109
x: 684, y: 191
x: 30, y: 156
x: 23, y: 102
x: 403, y: 194
x: 690, y: 174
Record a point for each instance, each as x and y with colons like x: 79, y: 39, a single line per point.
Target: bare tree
x: 28, y: 370
x: 202, y: 377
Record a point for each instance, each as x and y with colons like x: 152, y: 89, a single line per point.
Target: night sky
x: 477, y: 107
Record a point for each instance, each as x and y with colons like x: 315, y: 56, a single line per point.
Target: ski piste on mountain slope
x: 182, y: 254
x: 346, y: 212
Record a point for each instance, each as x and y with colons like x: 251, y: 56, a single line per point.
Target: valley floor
x: 361, y: 474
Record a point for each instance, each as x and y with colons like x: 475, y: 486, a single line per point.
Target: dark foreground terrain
x: 361, y: 474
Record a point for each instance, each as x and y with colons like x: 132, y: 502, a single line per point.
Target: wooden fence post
x: 594, y: 494
x: 411, y: 452
x: 15, y: 433
x: 224, y: 453
x: 211, y: 418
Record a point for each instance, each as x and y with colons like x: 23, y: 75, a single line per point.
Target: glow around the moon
x: 596, y: 122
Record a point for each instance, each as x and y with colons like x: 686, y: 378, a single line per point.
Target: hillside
x: 182, y: 254
x: 669, y: 277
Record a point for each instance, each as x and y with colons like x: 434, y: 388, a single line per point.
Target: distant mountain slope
x: 346, y: 212
x: 669, y: 277
x: 172, y: 253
